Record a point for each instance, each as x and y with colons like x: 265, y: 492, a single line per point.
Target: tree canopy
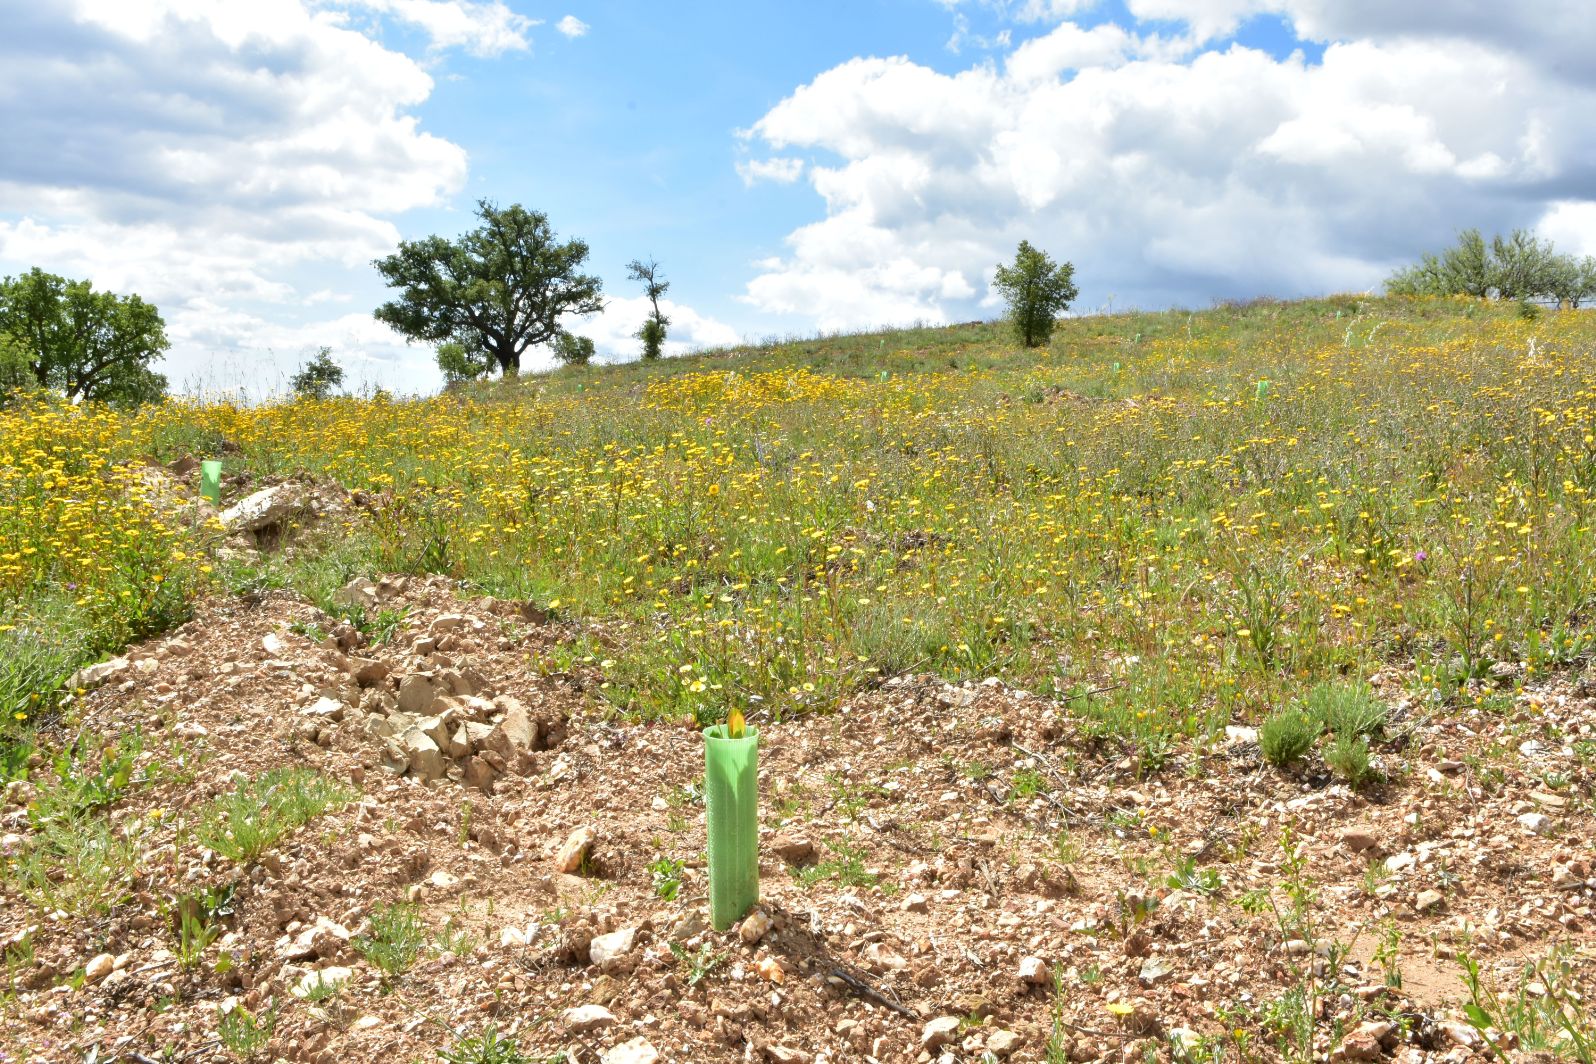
x: 652, y: 332
x: 317, y: 378
x: 1037, y: 291
x: 496, y: 291
x: 1519, y: 266
x: 82, y: 343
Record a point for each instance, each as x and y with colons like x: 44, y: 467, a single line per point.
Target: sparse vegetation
x: 395, y: 939
x: 254, y: 817
x: 1287, y: 735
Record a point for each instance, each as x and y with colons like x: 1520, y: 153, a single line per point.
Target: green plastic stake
x: 885, y: 375
x: 211, y: 480
x: 1116, y: 367
x: 1263, y: 389
x: 731, y: 808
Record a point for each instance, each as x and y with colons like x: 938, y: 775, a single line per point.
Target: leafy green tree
x: 1575, y: 281
x: 317, y: 378
x: 1037, y: 291
x: 82, y: 343
x: 573, y: 350
x: 15, y: 371
x: 1519, y: 266
x: 1524, y: 266
x: 498, y: 289
x: 462, y: 362
x: 652, y: 332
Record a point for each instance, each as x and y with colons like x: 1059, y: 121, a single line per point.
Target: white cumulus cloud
x: 572, y: 26
x: 783, y: 171
x: 1172, y: 172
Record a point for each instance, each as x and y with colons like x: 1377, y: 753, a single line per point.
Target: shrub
x: 1287, y: 735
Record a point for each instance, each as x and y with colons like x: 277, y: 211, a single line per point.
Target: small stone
x: 1461, y: 1033
x: 264, y: 508
x: 793, y: 849
x: 99, y: 966
x: 1563, y: 876
x: 883, y: 958
x: 610, y: 951
x: 325, y: 708
x: 1398, y: 861
x: 1550, y: 801
x: 367, y: 672
x: 585, y: 1018
x: 512, y: 937
x: 515, y: 733
x: 1002, y: 1043
x: 424, y: 758
x: 575, y: 850
x: 1539, y: 823
x: 638, y: 1051
x: 91, y: 676
x: 1033, y: 971
x: 1154, y: 970
x: 754, y: 927
x: 770, y: 969
x: 330, y: 976
x: 915, y: 903
x: 939, y: 1032
x: 1429, y: 901
x: 784, y: 1055
x: 416, y: 695
x: 1359, y: 839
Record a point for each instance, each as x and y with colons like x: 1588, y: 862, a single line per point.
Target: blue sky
x: 795, y: 167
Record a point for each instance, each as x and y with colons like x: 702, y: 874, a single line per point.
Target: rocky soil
x: 949, y: 873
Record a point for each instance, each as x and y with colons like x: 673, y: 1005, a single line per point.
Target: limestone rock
x: 267, y: 507
x: 574, y: 850
x: 585, y: 1018
x: 638, y: 1051
x: 611, y: 951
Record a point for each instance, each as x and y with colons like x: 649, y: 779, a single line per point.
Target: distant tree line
x: 1520, y: 266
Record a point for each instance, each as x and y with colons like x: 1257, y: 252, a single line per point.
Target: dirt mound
x: 935, y: 856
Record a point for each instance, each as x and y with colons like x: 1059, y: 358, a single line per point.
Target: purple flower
x: 1421, y: 556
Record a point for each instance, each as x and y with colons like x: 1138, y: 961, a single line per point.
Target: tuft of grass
x: 1348, y: 757
x: 245, y: 1034
x: 395, y: 940
x: 1347, y: 709
x: 489, y: 1047
x: 79, y: 865
x: 699, y: 965
x: 1286, y: 736
x: 250, y: 820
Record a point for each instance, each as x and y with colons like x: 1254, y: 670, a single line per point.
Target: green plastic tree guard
x: 731, y: 807
x: 1263, y: 389
x: 211, y: 480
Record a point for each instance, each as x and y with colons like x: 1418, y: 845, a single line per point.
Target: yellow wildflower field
x: 1127, y: 518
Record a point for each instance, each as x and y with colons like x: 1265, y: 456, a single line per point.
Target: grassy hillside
x: 773, y: 527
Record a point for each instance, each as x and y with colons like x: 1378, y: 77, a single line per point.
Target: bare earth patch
x: 949, y: 873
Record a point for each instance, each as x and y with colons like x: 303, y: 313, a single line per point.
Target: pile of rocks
x: 435, y: 717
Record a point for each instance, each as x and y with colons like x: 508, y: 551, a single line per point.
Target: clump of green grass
x: 79, y: 865
x: 1287, y: 735
x: 245, y: 1034
x: 1348, y: 757
x: 1347, y: 709
x: 250, y: 820
x: 489, y: 1047
x: 395, y: 940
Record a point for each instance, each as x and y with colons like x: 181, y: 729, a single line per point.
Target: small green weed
x: 847, y: 868
x: 395, y: 940
x: 667, y: 876
x: 698, y: 965
x: 243, y: 1033
x: 1347, y: 709
x: 1187, y: 876
x: 489, y: 1047
x: 1348, y: 757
